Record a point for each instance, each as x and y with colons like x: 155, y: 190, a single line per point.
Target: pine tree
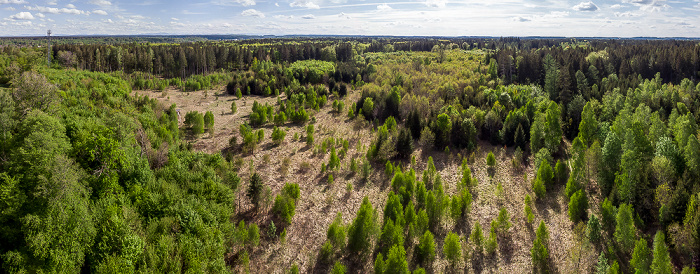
x: 625, y: 232
x: 452, y: 248
x: 662, y: 261
x: 641, y: 257
x: 425, y: 251
x: 255, y: 189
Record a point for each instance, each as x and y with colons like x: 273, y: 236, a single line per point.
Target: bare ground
x: 320, y: 202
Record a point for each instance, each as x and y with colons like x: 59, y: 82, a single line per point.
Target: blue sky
x: 614, y: 18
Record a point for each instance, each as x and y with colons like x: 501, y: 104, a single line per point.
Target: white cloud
x: 522, y: 19
x: 557, y: 14
x: 253, y: 13
x: 639, y: 2
x: 70, y: 6
x: 22, y: 16
x: 277, y: 4
x: 649, y: 5
x: 436, y: 3
x: 174, y: 19
x: 586, y: 6
x: 100, y: 2
x: 52, y: 3
x: 56, y: 10
x: 177, y: 24
x: 23, y: 23
x: 384, y: 7
x: 304, y: 4
x: 40, y: 15
x: 626, y: 14
x: 309, y: 16
x: 13, y: 2
x: 246, y: 3
x: 616, y: 6
x: 10, y: 8
x: 99, y: 12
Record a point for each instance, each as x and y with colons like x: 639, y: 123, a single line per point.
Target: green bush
x: 625, y: 232
x: 255, y: 187
x: 662, y: 259
x: 310, y: 135
x: 209, y: 122
x: 195, y: 122
x: 503, y: 221
x: 477, y: 237
x: 425, y: 251
x: 492, y: 242
x: 234, y: 108
x: 336, y: 232
x: 578, y: 206
x: 396, y: 261
x: 338, y: 268
x: 593, y: 229
x: 278, y: 135
x: 528, y: 209
x: 452, y: 248
x: 641, y: 257
x: 539, y: 251
x: 362, y: 229
x: 490, y: 160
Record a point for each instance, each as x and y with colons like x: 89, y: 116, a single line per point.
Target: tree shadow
x: 506, y: 247
x: 477, y: 263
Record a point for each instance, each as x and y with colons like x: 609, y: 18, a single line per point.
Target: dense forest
x: 340, y: 154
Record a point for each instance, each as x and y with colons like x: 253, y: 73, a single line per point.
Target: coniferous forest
x: 349, y: 155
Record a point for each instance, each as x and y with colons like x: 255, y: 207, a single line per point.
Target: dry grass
x: 319, y: 201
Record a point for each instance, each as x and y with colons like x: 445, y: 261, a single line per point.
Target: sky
x: 599, y: 18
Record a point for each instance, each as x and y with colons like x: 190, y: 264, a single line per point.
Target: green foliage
x: 452, y: 248
x: 425, y: 251
x: 641, y: 257
x: 391, y: 235
x: 539, y: 251
x: 588, y: 127
x: 310, y: 135
x: 312, y: 71
x: 362, y: 229
x: 209, y: 122
x: 545, y: 178
x: 396, y: 261
x: 662, y: 259
x: 625, y: 232
x: 379, y: 266
x: 255, y: 188
x: 278, y: 135
x: 578, y: 206
x: 492, y: 241
x: 336, y: 232
x: 285, y: 202
x: 366, y: 169
x: 503, y: 221
x: 593, y: 229
x: 404, y: 143
x: 195, y: 122
x: 609, y: 213
x: 368, y: 108
x: 530, y: 217
x: 477, y: 238
x: 490, y: 160
x: 560, y: 172
x: 234, y: 108
x: 338, y: 268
